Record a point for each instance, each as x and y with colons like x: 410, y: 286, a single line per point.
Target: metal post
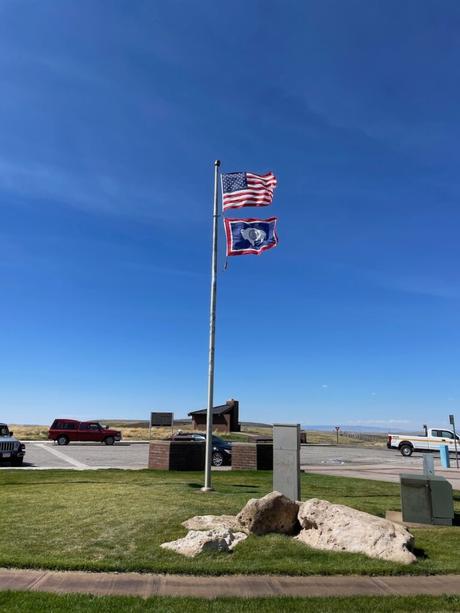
x: 452, y: 421
x: 428, y: 465
x: 212, y: 336
x: 456, y: 449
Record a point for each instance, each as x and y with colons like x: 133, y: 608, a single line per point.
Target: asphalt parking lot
x: 362, y: 462
x: 46, y: 454
x: 379, y: 464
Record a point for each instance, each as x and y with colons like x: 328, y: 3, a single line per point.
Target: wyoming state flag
x: 250, y: 236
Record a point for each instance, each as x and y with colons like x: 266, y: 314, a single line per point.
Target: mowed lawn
x: 116, y: 520
x: 18, y: 602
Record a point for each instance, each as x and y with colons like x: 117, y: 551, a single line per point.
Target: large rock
x: 212, y: 522
x: 197, y: 541
x: 272, y: 513
x: 340, y: 528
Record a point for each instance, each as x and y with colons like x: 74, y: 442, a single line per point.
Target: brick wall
x: 176, y: 455
x: 252, y: 456
x: 159, y: 455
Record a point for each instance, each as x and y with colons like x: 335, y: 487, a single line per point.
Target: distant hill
x: 254, y: 424
x: 138, y: 423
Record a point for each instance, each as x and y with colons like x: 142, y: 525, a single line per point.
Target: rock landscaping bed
x: 316, y: 523
x: 116, y: 521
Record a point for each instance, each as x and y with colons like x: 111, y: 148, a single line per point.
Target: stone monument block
x: 286, y: 460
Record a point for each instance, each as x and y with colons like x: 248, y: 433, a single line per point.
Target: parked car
x: 221, y: 450
x: 64, y: 431
x: 11, y: 450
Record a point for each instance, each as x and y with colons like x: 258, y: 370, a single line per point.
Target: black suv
x: 221, y: 450
x: 11, y: 450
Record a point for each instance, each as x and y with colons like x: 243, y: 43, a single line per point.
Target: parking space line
x: 62, y: 456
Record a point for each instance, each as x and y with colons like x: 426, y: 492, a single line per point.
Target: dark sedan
x: 221, y: 450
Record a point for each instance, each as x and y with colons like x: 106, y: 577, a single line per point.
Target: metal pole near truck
x: 452, y: 422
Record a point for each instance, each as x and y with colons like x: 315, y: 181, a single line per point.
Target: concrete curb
x: 244, y: 586
x: 122, y: 443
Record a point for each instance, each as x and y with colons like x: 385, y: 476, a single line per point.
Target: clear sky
x: 111, y: 115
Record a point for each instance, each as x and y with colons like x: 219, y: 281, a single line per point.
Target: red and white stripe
x: 259, y: 192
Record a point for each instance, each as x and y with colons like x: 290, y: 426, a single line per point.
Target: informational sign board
x: 161, y: 419
x: 286, y: 460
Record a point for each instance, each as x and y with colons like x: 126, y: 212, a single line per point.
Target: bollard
x: 444, y: 455
x: 428, y: 465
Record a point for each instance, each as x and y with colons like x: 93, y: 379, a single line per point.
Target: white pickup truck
x: 431, y: 441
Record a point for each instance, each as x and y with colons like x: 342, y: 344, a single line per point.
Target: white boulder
x: 197, y: 541
x: 211, y: 522
x: 274, y: 512
x: 340, y: 528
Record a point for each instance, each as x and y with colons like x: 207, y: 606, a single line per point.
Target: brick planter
x: 176, y: 455
x: 252, y: 456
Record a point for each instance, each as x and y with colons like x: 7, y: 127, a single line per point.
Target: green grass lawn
x: 18, y: 602
x: 116, y: 520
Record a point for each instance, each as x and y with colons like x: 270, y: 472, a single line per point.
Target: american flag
x: 247, y: 189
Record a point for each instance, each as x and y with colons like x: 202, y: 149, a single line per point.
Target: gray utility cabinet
x: 286, y: 460
x: 426, y: 499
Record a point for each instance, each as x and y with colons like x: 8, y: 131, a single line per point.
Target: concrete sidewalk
x: 246, y: 586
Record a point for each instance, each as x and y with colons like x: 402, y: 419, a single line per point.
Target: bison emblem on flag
x: 255, y: 236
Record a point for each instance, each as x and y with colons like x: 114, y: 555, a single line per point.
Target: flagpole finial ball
x: 217, y: 163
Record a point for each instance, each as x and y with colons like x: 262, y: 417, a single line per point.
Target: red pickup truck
x: 65, y: 430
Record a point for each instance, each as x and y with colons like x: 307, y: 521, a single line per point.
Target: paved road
x: 364, y: 462
x: 370, y: 463
x: 331, y: 455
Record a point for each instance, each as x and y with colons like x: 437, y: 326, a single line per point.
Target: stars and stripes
x: 240, y: 189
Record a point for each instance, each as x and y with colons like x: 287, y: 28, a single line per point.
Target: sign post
x: 452, y: 422
x: 337, y: 428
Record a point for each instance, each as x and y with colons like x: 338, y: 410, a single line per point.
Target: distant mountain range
x: 331, y: 427
x: 351, y: 428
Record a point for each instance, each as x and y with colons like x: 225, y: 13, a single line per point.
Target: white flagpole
x: 212, y: 335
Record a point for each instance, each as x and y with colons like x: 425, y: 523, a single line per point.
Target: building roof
x: 224, y: 408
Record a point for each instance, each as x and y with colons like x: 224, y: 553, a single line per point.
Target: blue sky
x: 111, y: 115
